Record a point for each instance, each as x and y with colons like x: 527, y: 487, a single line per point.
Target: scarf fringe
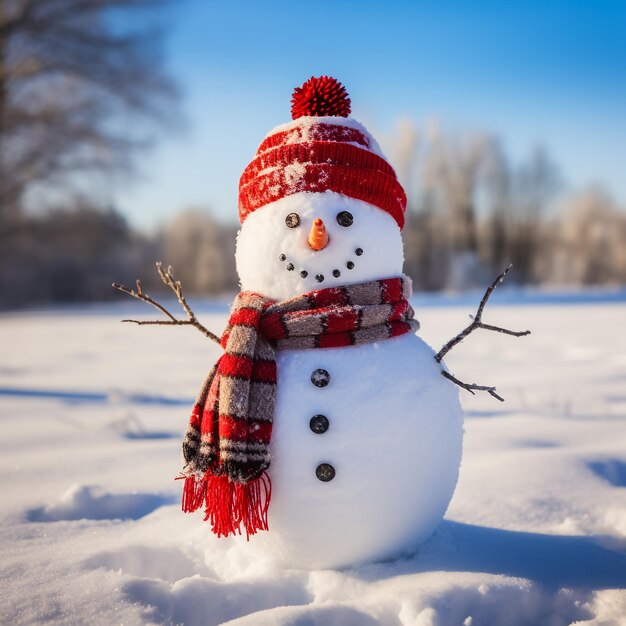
x: 228, y: 505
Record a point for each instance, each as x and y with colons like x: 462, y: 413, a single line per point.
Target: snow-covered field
x: 91, y: 416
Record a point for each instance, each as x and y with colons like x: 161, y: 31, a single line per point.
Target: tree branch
x: 167, y: 276
x: 478, y: 323
x: 93, y: 67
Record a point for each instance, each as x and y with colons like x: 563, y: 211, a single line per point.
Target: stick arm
x: 167, y: 276
x: 476, y: 324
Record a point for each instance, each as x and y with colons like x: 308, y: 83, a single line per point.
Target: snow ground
x: 91, y: 416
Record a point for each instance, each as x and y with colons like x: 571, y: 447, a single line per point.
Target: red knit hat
x: 321, y: 150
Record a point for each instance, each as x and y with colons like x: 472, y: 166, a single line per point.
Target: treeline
x: 73, y: 255
x: 472, y: 211
x: 83, y: 92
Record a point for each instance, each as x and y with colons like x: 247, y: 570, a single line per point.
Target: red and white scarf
x: 226, y: 446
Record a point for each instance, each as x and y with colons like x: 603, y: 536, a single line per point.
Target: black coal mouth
x: 320, y: 278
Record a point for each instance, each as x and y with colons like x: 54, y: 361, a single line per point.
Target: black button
x: 319, y: 424
x: 325, y: 472
x: 320, y: 378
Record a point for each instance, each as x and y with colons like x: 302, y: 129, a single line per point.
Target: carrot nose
x: 318, y: 237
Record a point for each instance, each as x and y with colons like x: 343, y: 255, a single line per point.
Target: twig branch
x: 471, y: 387
x: 167, y: 276
x: 478, y: 323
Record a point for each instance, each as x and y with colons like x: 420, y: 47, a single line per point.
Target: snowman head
x: 319, y: 204
x: 309, y: 241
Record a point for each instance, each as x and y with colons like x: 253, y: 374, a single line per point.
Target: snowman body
x: 366, y: 440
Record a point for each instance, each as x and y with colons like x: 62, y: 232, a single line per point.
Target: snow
x: 86, y: 502
x: 92, y: 414
x: 264, y: 237
x: 304, y: 124
x: 294, y: 173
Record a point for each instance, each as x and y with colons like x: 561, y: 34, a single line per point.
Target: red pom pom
x: 320, y: 97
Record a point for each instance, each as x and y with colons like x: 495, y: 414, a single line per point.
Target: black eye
x: 344, y: 219
x: 292, y: 220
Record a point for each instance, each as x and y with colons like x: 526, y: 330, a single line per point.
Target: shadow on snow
x: 553, y: 561
x: 94, y: 397
x: 611, y: 470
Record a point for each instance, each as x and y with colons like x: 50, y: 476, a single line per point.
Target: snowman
x: 366, y: 435
x: 327, y: 423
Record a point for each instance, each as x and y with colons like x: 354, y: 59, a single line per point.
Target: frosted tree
x: 590, y: 247
x: 444, y: 177
x: 203, y: 251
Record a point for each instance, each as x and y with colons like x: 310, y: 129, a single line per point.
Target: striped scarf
x: 226, y: 446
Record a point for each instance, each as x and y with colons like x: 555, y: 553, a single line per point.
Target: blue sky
x: 544, y: 72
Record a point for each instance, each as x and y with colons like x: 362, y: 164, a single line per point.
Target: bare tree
x: 71, y: 255
x: 81, y: 88
x: 536, y: 185
x: 494, y: 236
x: 453, y: 168
x: 203, y: 250
x: 422, y: 240
x: 589, y: 246
x: 444, y: 177
x: 470, y: 210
